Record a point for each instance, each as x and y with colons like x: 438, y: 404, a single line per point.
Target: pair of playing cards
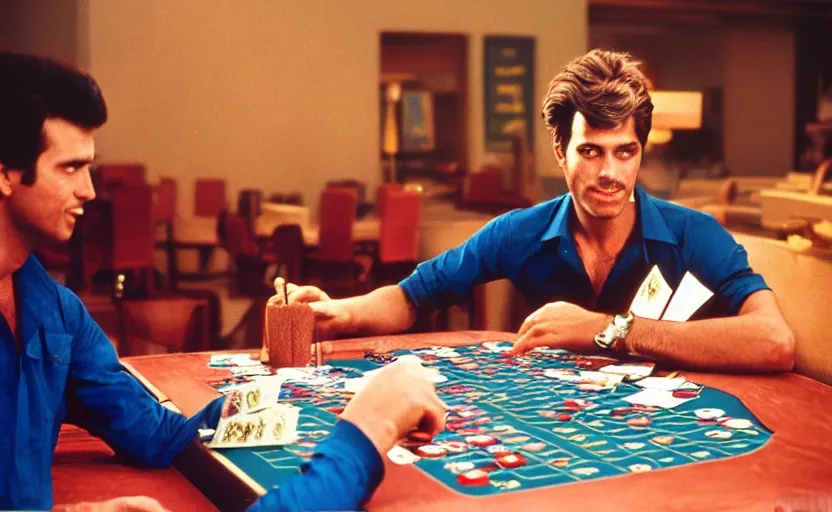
x: 656, y: 300
x: 251, y: 416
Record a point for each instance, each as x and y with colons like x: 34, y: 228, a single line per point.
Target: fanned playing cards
x: 656, y: 300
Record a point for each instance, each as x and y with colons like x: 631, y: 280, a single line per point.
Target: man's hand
x: 560, y: 325
x: 397, y: 400
x: 331, y: 317
x: 123, y: 504
x: 295, y: 294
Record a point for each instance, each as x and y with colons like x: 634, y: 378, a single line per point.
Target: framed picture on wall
x: 417, y: 121
x: 509, y: 91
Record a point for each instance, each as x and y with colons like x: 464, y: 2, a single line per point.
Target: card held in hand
x: 689, y: 297
x: 652, y: 296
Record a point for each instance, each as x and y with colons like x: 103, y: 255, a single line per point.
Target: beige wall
x: 759, y: 101
x: 283, y: 95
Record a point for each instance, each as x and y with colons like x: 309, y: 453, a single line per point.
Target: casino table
x: 784, y: 454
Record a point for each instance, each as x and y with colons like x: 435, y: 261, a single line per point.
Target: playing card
x: 689, y: 297
x: 630, y: 371
x: 652, y: 296
x: 274, y: 426
x: 656, y: 398
x: 251, y: 397
x: 661, y: 383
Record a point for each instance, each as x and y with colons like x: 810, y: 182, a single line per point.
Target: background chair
x: 162, y: 325
x: 398, y: 246
x: 209, y: 198
x: 341, y: 273
x: 134, y: 237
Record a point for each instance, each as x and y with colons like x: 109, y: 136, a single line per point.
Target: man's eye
x: 625, y: 154
x: 589, y: 152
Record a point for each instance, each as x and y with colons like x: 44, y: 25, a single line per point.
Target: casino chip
x: 498, y: 449
x: 454, y: 446
x: 419, y: 437
x: 641, y: 421
x: 510, y: 460
x: 709, y: 414
x: 480, y: 440
x: 431, y: 451
x: 474, y: 477
x: 737, y: 423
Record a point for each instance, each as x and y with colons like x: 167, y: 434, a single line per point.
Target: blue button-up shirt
x: 68, y: 369
x: 535, y: 249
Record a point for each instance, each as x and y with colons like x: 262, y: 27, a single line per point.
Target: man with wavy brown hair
x: 580, y: 258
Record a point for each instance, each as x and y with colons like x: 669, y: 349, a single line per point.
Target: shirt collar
x: 653, y: 226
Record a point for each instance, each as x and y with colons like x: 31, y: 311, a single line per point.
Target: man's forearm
x: 741, y: 343
x: 382, y: 311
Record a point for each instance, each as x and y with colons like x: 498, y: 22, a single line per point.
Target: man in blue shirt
x: 55, y: 362
x: 581, y: 257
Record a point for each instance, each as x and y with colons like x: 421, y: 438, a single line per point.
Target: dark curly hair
x: 606, y: 88
x: 33, y: 89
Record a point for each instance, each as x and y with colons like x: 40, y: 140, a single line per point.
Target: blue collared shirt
x: 534, y: 248
x: 68, y: 369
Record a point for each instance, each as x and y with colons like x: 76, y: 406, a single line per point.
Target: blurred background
x: 341, y: 143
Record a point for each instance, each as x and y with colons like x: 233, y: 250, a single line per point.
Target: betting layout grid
x: 511, y: 427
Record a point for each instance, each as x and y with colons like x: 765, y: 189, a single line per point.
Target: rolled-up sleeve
x: 720, y: 263
x: 448, y: 278
x: 113, y: 405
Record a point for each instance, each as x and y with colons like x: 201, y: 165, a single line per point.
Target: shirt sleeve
x: 448, y: 278
x: 109, y: 402
x: 720, y: 263
x: 342, y: 475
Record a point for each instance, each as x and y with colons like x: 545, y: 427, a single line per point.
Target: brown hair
x: 606, y: 88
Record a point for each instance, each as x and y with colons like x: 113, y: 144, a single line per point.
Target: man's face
x: 47, y: 210
x: 601, y: 166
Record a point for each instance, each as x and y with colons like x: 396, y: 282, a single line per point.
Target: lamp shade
x: 677, y: 110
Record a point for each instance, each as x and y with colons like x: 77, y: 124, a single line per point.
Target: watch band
x: 613, y: 337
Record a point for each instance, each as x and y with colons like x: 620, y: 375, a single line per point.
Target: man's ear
x: 560, y: 156
x: 5, y: 182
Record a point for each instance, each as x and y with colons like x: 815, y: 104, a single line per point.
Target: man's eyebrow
x: 629, y: 145
x: 78, y: 162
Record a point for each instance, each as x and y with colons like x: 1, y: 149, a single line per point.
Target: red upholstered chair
x: 164, y: 324
x: 115, y: 174
x: 398, y: 246
x: 209, y: 198
x: 285, y: 248
x: 239, y: 242
x: 133, y: 232
x: 342, y: 275
x: 335, y: 242
x: 164, y: 213
x: 383, y: 195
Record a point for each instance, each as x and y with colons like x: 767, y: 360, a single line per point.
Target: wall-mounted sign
x: 509, y: 91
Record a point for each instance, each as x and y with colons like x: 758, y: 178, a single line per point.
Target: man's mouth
x: 76, y: 211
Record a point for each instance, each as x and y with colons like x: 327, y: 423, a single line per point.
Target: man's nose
x: 86, y: 192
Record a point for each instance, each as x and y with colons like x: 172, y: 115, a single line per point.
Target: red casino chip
x: 474, y: 477
x: 419, y: 437
x: 511, y: 460
x: 431, y: 451
x: 455, y: 446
